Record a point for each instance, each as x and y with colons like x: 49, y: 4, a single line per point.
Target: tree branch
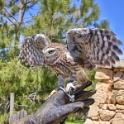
x: 21, y: 13
x: 10, y: 20
x: 10, y: 14
x: 32, y: 2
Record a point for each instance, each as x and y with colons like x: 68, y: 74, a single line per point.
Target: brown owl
x: 85, y: 48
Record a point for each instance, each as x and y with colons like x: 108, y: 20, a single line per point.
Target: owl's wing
x: 93, y: 46
x: 31, y: 49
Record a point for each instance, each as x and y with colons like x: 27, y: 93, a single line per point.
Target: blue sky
x: 113, y: 11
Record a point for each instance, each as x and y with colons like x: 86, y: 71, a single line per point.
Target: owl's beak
x: 45, y: 58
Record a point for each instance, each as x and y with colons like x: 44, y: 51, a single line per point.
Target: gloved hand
x: 58, y: 107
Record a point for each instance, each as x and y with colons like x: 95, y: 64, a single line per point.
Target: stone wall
x: 109, y: 98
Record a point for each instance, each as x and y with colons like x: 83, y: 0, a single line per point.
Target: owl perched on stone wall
x: 85, y: 48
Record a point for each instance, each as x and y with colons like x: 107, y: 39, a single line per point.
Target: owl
x: 85, y: 48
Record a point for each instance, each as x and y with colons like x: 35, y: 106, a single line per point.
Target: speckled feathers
x: 86, y: 48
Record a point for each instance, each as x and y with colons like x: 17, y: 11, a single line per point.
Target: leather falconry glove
x: 58, y: 107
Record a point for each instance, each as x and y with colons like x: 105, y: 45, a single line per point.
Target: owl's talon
x: 71, y: 97
x: 70, y: 87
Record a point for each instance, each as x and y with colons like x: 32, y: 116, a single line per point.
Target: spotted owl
x: 85, y: 49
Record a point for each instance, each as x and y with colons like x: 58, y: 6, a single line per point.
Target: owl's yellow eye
x: 51, y: 51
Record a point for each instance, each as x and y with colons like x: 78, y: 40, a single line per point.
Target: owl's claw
x: 70, y: 87
x: 71, y: 97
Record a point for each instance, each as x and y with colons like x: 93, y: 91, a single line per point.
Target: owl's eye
x: 51, y: 51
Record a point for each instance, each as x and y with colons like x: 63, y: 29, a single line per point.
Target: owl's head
x: 52, y: 52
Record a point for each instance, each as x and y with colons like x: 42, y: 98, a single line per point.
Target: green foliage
x: 75, y: 122
x: 102, y: 24
x: 72, y: 118
x: 26, y: 83
x: 4, y: 118
x: 91, y: 75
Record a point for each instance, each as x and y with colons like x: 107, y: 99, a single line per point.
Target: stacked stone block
x: 109, y: 98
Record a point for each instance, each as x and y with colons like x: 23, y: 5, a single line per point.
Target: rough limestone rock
x: 106, y: 115
x: 122, y: 69
x: 88, y: 121
x: 119, y: 85
x: 117, y: 76
x: 120, y: 100
x: 122, y: 78
x: 119, y: 111
x: 103, y: 74
x: 94, y: 115
x: 109, y: 98
x: 111, y: 107
x: 119, y: 92
x: 120, y: 97
x: 100, y: 122
x: 120, y: 107
x: 103, y: 106
x: 118, y: 69
x: 118, y: 119
x: 112, y: 97
x: 102, y: 94
x: 119, y: 64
